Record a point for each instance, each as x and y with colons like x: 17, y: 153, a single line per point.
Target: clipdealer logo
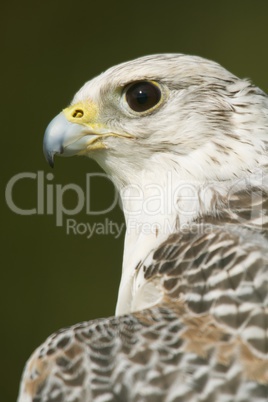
x: 152, y: 201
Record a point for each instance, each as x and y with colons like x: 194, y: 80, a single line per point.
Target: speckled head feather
x: 208, y: 118
x: 194, y: 287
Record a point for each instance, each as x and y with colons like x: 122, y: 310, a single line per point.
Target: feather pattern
x: 205, y: 341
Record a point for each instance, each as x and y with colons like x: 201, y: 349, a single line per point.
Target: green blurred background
x: 49, y: 49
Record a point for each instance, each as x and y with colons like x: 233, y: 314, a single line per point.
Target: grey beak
x: 54, y: 138
x: 63, y: 137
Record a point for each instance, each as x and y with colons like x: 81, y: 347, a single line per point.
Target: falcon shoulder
x: 206, y: 340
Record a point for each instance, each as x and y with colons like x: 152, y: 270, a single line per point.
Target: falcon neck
x: 166, y: 196
x: 153, y: 210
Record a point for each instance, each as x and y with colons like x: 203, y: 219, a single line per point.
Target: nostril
x: 78, y: 113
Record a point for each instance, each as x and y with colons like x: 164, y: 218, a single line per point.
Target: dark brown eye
x: 142, y: 96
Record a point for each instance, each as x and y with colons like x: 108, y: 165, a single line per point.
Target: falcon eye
x: 143, y: 96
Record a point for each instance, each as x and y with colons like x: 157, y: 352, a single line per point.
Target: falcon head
x: 167, y: 111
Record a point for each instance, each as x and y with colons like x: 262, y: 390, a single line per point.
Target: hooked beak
x: 77, y: 130
x: 65, y: 138
x: 72, y: 132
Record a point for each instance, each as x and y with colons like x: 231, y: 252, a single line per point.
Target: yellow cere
x: 85, y: 113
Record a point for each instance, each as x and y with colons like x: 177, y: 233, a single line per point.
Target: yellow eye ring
x: 143, y: 96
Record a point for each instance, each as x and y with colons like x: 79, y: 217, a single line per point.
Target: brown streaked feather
x: 184, y: 340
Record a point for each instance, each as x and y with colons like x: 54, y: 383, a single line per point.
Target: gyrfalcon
x: 186, y: 144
